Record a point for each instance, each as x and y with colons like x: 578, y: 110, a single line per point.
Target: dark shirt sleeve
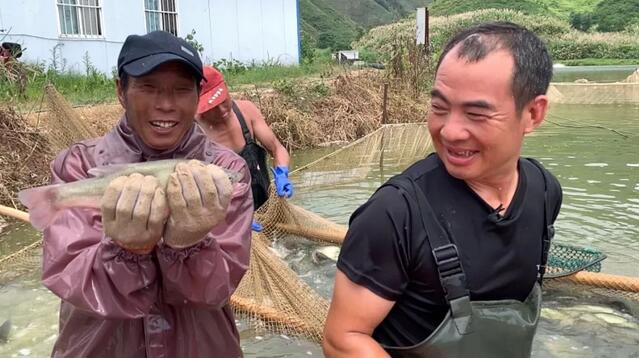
x: 375, y: 253
x: 558, y: 197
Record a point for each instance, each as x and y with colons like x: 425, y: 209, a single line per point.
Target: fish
x: 46, y: 202
x: 5, y: 328
x: 321, y: 254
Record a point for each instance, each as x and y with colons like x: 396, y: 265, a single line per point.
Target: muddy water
x: 599, y: 171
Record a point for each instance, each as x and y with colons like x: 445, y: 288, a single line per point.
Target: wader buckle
x: 451, y: 273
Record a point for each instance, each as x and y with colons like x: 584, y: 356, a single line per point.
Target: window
x: 80, y: 18
x: 161, y: 15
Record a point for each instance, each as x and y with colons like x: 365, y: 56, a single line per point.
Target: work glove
x: 134, y: 210
x: 283, y: 186
x: 257, y: 227
x: 198, y: 196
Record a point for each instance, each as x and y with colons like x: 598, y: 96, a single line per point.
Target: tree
x: 615, y: 15
x: 581, y: 21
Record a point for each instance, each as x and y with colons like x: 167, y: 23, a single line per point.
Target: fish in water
x: 321, y: 254
x: 45, y: 202
x: 5, y: 328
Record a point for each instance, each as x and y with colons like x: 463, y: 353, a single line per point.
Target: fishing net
x: 272, y: 298
x: 625, y: 91
x: 64, y: 125
x: 565, y: 260
x: 384, y: 152
x: 633, y: 78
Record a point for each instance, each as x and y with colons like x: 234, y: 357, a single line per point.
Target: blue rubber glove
x: 257, y: 227
x: 283, y: 186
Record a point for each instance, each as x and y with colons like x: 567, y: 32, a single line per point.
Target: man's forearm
x: 352, y: 345
x: 281, y: 157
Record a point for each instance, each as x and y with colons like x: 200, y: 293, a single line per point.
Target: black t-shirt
x: 386, y: 249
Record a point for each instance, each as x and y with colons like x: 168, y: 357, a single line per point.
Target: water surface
x: 593, y: 150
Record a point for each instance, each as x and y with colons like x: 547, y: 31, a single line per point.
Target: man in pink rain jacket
x: 151, y: 274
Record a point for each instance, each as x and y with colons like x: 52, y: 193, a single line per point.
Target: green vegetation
x: 600, y: 15
x: 564, y: 42
x: 558, y: 8
x: 78, y: 88
x: 326, y: 27
x: 452, y: 7
x: 335, y: 24
x: 601, y: 61
x: 615, y: 15
x: 371, y: 13
x: 94, y: 87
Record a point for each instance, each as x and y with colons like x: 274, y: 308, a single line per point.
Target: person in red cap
x: 239, y: 125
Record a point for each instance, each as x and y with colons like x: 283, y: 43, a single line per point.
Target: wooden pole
x: 385, y: 105
x: 14, y: 213
x: 427, y: 35
x: 384, y: 122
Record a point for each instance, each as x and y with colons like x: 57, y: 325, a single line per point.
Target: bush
x: 369, y: 56
x: 578, y: 45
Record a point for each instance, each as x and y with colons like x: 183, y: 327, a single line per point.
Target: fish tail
x: 41, y: 203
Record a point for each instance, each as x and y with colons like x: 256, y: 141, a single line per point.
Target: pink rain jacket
x: 170, y: 303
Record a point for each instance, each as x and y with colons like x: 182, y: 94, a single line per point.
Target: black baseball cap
x: 142, y: 54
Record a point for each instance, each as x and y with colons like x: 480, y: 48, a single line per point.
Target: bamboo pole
x: 595, y: 279
x: 604, y: 280
x: 317, y: 234
x: 14, y: 213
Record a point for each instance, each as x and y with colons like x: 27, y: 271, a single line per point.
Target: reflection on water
x: 599, y: 171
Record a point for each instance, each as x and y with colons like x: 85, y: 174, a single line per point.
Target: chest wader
x: 255, y: 157
x: 490, y: 329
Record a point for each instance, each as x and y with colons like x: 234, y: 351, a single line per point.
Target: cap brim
x: 212, y: 98
x: 144, y: 65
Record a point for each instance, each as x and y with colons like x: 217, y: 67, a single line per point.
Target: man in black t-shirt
x: 393, y: 289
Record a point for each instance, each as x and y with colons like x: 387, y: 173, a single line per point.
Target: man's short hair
x: 533, y: 65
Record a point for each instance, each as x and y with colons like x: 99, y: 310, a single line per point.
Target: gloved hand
x: 283, y: 186
x: 134, y: 211
x: 257, y: 227
x: 198, y: 196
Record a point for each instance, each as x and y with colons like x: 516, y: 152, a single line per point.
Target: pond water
x: 593, y: 150
x: 593, y: 73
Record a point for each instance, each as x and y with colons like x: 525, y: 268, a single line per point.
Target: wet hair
x: 533, y: 65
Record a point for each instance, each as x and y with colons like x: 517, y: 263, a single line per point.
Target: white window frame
x: 79, y: 19
x: 174, y: 14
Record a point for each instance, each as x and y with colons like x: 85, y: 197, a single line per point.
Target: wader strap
x: 449, y: 267
x: 240, y: 117
x: 549, y: 231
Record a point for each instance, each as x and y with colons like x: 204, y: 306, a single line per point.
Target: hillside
x: 559, y: 8
x: 564, y: 42
x: 598, y: 15
x: 326, y: 27
x: 336, y: 23
x: 371, y: 13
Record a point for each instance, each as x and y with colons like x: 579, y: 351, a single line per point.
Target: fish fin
x: 105, y: 170
x: 41, y: 204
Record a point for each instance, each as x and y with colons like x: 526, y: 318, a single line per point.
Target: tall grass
x: 564, y: 42
x: 77, y: 88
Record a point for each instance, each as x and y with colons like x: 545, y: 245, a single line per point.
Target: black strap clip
x: 451, y: 273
